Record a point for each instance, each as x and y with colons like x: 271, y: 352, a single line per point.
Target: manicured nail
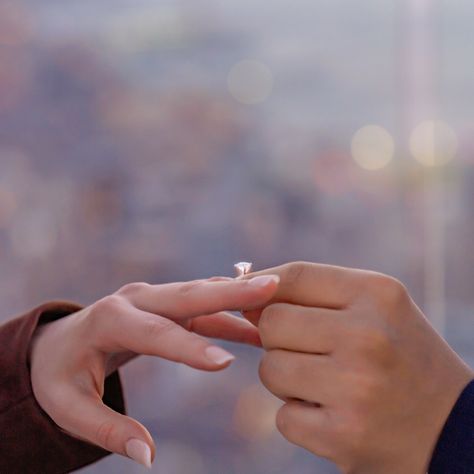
x: 264, y: 280
x: 218, y: 355
x: 139, y: 451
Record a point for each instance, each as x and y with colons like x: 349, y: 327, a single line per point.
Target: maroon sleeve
x: 30, y: 442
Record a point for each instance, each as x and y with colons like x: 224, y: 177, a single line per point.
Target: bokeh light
x: 250, y: 81
x: 372, y: 147
x: 433, y: 143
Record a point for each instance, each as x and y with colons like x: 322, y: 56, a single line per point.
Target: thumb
x: 98, y: 424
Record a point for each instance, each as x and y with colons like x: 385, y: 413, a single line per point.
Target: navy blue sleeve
x: 454, y: 452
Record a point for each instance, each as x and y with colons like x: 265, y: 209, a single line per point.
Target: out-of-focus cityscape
x: 159, y: 141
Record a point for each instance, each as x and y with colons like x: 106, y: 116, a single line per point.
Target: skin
x: 71, y: 357
x: 367, y: 382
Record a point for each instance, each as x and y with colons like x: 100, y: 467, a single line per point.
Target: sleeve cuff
x: 31, y: 441
x: 454, y: 452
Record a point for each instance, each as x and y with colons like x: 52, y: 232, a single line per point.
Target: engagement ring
x: 242, y: 268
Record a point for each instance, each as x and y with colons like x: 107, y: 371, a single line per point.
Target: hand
x: 367, y: 381
x: 71, y: 357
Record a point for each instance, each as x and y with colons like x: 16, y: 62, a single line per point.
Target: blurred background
x: 148, y: 140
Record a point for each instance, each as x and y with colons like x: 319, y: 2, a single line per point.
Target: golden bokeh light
x: 250, y: 82
x: 433, y: 143
x: 372, y: 147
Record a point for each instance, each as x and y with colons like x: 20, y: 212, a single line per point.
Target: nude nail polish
x: 139, y: 451
x: 218, y: 355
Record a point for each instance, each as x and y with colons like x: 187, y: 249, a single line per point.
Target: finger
x: 226, y: 326
x: 302, y: 329
x: 294, y: 375
x: 222, y: 325
x: 89, y: 419
x: 131, y: 329
x: 306, y: 426
x: 196, y: 298
x: 313, y: 284
x: 253, y: 315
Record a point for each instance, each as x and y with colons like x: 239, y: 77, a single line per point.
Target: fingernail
x: 264, y: 280
x: 139, y: 451
x: 218, y: 355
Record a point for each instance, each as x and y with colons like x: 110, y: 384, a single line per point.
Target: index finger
x: 314, y: 284
x: 180, y: 301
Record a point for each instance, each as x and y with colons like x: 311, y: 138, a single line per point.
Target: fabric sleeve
x: 454, y: 452
x: 30, y: 442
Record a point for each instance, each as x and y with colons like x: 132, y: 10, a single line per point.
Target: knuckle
x: 110, y: 306
x: 387, y: 289
x: 263, y: 369
x: 295, y: 272
x: 189, y: 286
x: 105, y: 433
x: 282, y: 420
x: 103, y: 313
x: 266, y: 368
x: 156, y: 327
x: 133, y: 288
x: 269, y: 318
x: 215, y: 279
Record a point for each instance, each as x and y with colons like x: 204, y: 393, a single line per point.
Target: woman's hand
x: 367, y: 381
x: 71, y: 357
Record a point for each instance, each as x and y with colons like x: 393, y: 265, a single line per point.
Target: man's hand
x: 71, y: 357
x: 366, y: 380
